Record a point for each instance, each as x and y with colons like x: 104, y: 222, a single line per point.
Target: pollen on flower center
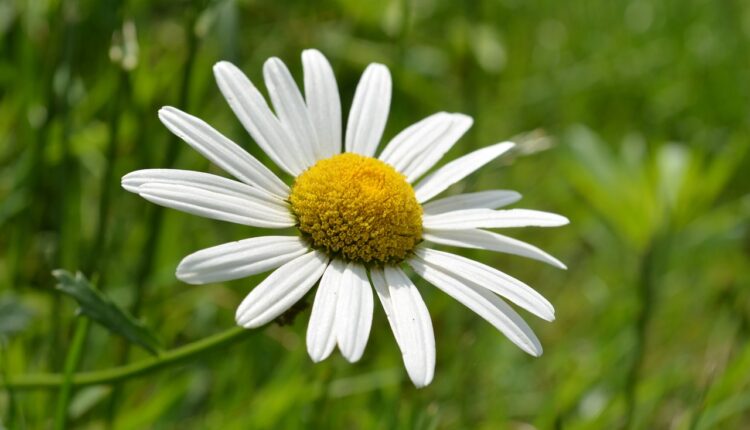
x: 357, y: 207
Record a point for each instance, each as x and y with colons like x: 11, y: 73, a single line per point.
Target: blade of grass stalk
x: 72, y: 359
x: 145, y: 265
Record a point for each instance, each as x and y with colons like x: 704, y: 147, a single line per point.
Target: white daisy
x: 359, y: 217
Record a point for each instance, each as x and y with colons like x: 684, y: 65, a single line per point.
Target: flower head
x: 360, y: 218
x: 359, y: 208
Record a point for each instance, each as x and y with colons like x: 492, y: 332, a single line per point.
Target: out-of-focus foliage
x: 14, y: 317
x: 643, y: 105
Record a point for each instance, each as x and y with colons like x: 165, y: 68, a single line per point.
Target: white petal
x: 323, y: 102
x: 407, y: 145
x: 480, y: 200
x: 377, y: 274
x: 481, y: 239
x: 291, y: 110
x: 487, y: 218
x: 205, y: 181
x: 458, y: 169
x: 433, y: 151
x: 486, y: 304
x: 239, y: 259
x: 253, y: 112
x: 224, y: 206
x: 221, y: 151
x: 417, y: 339
x: 492, y: 279
x: 353, y: 312
x: 281, y: 289
x: 321, y: 335
x: 369, y: 111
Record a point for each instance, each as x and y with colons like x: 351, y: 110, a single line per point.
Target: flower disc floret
x: 359, y: 208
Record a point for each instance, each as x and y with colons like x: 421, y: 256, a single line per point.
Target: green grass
x: 642, y: 106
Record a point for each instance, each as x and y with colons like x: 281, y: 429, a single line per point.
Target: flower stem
x: 139, y: 368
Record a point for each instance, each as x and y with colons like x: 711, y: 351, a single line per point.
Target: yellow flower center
x: 359, y: 208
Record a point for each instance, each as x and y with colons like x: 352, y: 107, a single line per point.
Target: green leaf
x: 14, y: 317
x: 87, y: 398
x: 99, y: 308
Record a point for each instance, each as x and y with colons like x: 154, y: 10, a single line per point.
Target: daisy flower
x: 359, y: 218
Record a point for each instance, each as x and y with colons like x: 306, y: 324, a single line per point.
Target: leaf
x: 87, y: 398
x: 14, y: 317
x: 99, y: 308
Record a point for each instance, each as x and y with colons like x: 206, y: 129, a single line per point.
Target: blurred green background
x: 633, y: 121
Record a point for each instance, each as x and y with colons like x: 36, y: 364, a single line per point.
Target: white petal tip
x: 131, y: 183
x: 222, y: 68
x: 311, y: 52
x: 552, y: 261
x: 378, y: 68
x: 547, y: 313
x: 222, y: 64
x: 167, y: 109
x: 271, y: 68
x: 421, y: 380
x: 187, y: 277
x: 272, y: 61
x: 503, y: 148
x: 381, y: 70
x: 316, y: 357
x: 243, y: 321
x: 168, y: 115
x: 246, y: 324
x: 462, y: 117
x: 533, y: 348
x: 351, y: 357
x: 191, y: 281
x: 553, y: 220
x: 183, y: 271
x: 420, y: 385
x: 128, y: 186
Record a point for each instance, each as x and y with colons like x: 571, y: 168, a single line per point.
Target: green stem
x: 72, y: 360
x: 12, y: 405
x: 140, y: 368
x: 96, y: 260
x: 645, y: 293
